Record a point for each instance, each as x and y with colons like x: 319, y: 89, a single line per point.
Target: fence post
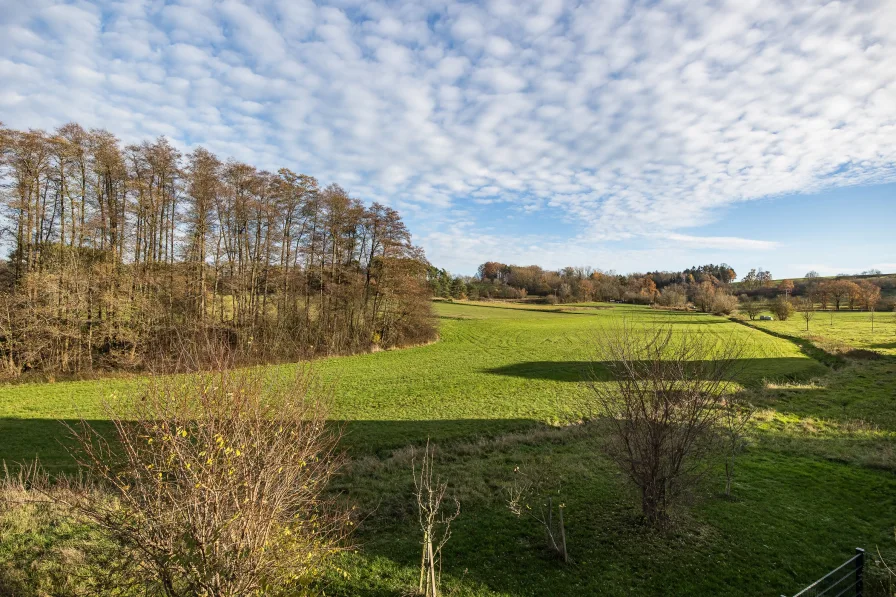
x: 860, y: 571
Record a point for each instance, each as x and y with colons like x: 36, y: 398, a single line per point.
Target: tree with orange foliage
x: 840, y: 291
x: 855, y: 295
x: 648, y: 288
x: 786, y: 287
x: 868, y: 294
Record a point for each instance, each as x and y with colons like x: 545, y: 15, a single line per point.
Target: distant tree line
x: 495, y: 280
x: 864, y: 291
x: 121, y: 256
x: 711, y: 288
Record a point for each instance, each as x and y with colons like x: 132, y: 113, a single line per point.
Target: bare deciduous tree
x: 534, y: 498
x: 840, y: 291
x: 786, y: 286
x: 118, y: 253
x: 736, y: 415
x: 663, y: 399
x: 752, y: 306
x: 431, y: 493
x: 869, y: 293
x: 724, y: 304
x: 805, y: 306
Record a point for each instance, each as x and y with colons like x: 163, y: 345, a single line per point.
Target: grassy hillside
x: 816, y: 481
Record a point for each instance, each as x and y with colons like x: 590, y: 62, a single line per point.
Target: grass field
x: 497, y: 367
x: 816, y: 481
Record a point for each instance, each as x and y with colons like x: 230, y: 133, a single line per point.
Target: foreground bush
x: 665, y: 400
x: 217, y: 482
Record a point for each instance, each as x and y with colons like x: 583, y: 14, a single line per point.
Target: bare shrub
x: 532, y: 496
x: 673, y: 296
x: 752, y: 306
x: 431, y: 493
x: 663, y: 400
x: 218, y: 483
x: 724, y: 304
x: 736, y: 415
x: 703, y: 296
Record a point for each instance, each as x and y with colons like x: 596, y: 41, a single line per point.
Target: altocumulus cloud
x: 625, y: 119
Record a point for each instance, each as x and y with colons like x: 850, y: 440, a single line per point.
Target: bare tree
x: 869, y: 293
x: 786, y: 286
x: 751, y: 305
x: 735, y: 416
x: 116, y: 254
x: 840, y: 291
x: 724, y: 304
x: 663, y: 401
x: 431, y: 493
x: 704, y: 295
x: 217, y: 483
x: 534, y: 498
x: 806, y: 308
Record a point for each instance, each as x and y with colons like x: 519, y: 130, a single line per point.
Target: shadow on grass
x: 699, y: 321
x: 23, y: 440
x: 834, y: 361
x: 687, y: 317
x: 612, y: 554
x: 554, y: 309
x: 747, y: 371
x: 884, y: 345
x: 47, y: 440
x: 380, y: 437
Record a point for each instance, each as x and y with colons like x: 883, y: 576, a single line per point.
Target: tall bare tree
x: 805, y: 306
x: 120, y: 254
x: 662, y: 394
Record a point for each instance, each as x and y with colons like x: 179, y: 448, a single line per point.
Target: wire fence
x: 846, y: 580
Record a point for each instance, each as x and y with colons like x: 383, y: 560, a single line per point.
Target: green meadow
x: 502, y: 389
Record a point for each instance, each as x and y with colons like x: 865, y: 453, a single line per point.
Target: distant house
x: 765, y: 318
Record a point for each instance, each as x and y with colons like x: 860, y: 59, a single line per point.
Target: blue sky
x: 623, y: 135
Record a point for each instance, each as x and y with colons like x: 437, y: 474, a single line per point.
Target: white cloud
x: 721, y: 242
x: 628, y: 119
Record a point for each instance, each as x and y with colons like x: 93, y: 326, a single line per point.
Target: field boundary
x: 829, y: 359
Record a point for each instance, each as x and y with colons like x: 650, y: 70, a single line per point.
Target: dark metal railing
x: 846, y: 580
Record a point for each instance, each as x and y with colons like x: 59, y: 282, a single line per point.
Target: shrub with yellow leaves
x: 219, y: 480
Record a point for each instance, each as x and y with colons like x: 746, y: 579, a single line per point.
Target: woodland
x: 138, y: 256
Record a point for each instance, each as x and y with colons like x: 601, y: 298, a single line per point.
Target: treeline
x: 711, y: 288
x: 835, y: 293
x: 495, y: 280
x: 840, y: 291
x: 137, y: 255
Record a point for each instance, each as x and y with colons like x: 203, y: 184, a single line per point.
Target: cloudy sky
x: 617, y: 134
